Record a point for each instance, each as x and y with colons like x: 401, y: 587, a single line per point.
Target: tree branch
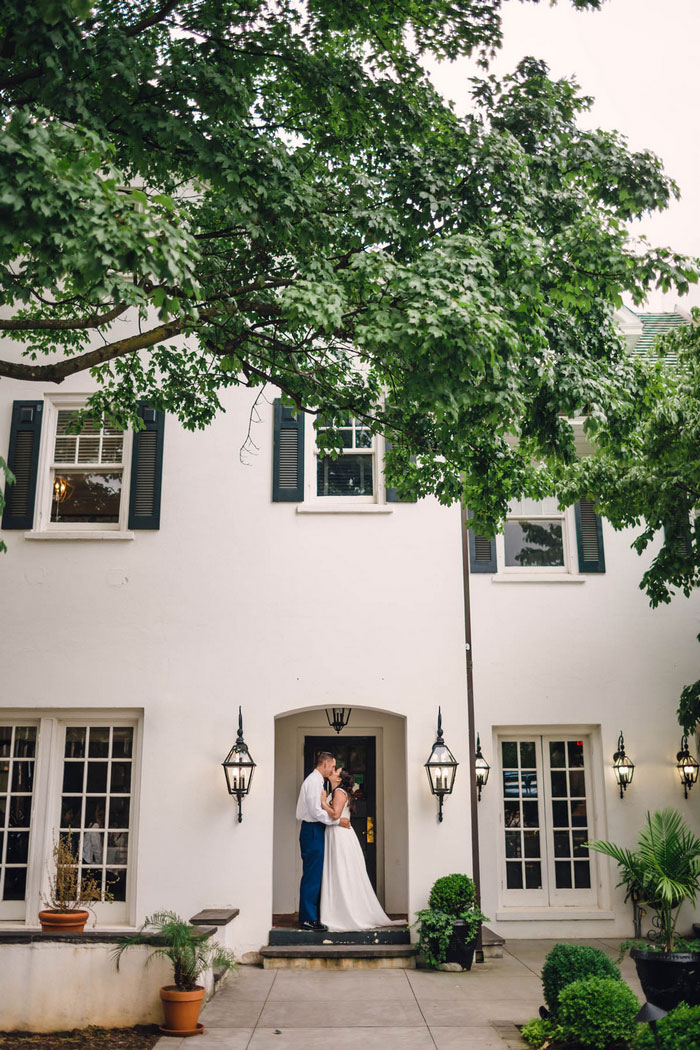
x: 56, y: 373
x: 62, y: 324
x: 153, y: 19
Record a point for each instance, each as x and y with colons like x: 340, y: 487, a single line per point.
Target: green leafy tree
x: 645, y: 471
x: 198, y: 194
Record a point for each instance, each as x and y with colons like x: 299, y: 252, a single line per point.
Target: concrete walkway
x: 381, y: 1009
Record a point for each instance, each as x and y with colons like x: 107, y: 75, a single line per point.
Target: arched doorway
x: 373, y: 746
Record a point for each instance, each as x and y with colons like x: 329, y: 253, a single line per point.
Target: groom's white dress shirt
x: 309, y: 803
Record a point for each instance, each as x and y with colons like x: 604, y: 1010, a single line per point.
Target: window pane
x: 119, y: 812
x: 349, y: 475
x: 15, y: 884
x: 93, y: 847
x: 579, y: 837
x: 534, y: 543
x: 560, y: 814
x: 582, y: 875
x: 75, y: 742
x: 71, y: 812
x: 84, y: 496
x: 527, y: 754
x: 532, y: 843
x: 25, y: 741
x: 22, y: 776
x: 562, y: 874
x: 577, y: 784
x: 511, y: 783
x: 511, y: 812
x: 97, y: 776
x: 117, y: 847
x: 17, y: 847
x: 514, y: 875
x: 558, y: 784
x: 4, y: 776
x: 557, y: 753
x: 531, y: 814
x: 5, y: 741
x: 122, y: 742
x: 513, y: 844
x: 116, y: 883
x: 529, y: 784
x: 509, y: 750
x: 73, y: 773
x: 95, y: 812
x: 20, y: 811
x: 575, y: 749
x: 99, y: 742
x: 561, y: 844
x: 579, y: 816
x: 121, y: 777
x: 533, y: 875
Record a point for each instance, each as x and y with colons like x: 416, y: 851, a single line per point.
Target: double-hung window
x: 86, y: 474
x: 535, y: 537
x: 546, y: 819
x: 352, y: 474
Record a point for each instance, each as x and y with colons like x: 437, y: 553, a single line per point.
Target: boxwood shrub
x: 597, y: 1012
x: 572, y: 962
x: 452, y: 894
x: 679, y: 1031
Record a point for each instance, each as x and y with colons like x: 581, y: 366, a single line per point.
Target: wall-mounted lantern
x: 441, y: 767
x: 623, y: 766
x: 481, y: 768
x: 687, y: 767
x: 239, y: 768
x: 338, y: 717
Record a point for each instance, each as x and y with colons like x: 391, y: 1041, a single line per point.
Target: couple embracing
x: 335, y: 892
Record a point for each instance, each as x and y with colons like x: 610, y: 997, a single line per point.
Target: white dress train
x: 348, y: 901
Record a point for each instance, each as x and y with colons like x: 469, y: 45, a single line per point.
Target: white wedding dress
x: 348, y: 901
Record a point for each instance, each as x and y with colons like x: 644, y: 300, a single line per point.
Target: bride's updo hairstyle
x: 347, y: 783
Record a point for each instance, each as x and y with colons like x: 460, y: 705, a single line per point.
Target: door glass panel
x: 514, y: 875
x: 527, y: 754
x: 533, y: 875
x: 509, y: 754
x: 558, y: 784
x: 17, y: 751
x: 557, y: 754
x: 521, y: 809
x: 562, y: 872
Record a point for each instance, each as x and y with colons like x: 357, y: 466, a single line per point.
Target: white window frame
x: 549, y: 897
x: 570, y: 566
x: 46, y: 808
x: 44, y: 489
x: 332, y: 503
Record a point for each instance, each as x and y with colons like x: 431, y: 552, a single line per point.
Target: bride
x: 348, y: 901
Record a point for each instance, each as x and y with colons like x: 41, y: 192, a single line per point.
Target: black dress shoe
x: 317, y: 926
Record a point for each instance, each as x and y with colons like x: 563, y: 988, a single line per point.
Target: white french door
x: 546, y: 816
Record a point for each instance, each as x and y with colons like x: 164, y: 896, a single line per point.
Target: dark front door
x: 357, y: 754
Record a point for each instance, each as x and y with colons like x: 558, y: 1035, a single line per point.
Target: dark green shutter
x: 482, y: 552
x: 288, y: 455
x: 679, y: 537
x: 589, y: 537
x: 147, y: 470
x: 392, y: 495
x: 23, y: 461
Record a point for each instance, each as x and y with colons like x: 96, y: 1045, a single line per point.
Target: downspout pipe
x: 476, y: 871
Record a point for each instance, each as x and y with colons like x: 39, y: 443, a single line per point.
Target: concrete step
x: 338, y: 956
x: 386, y: 935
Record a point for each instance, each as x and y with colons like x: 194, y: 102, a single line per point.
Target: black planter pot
x: 460, y: 950
x: 668, y: 979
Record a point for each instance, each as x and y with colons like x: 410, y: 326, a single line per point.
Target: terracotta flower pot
x: 181, y: 1010
x: 63, y: 921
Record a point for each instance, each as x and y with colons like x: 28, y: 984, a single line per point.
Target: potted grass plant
x: 665, y: 870
x: 190, y: 952
x: 71, y: 895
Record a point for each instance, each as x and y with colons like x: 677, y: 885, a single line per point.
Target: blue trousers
x: 312, y: 840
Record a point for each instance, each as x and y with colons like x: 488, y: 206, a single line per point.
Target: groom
x: 312, y: 840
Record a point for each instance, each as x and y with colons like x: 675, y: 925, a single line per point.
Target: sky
x: 639, y: 60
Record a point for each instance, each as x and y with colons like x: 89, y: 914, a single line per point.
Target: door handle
x: 370, y: 830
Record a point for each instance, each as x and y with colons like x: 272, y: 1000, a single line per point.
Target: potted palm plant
x: 71, y: 895
x: 665, y: 870
x: 190, y: 953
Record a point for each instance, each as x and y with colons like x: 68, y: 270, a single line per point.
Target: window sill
x: 552, y: 914
x: 339, y: 508
x: 533, y: 577
x: 88, y: 534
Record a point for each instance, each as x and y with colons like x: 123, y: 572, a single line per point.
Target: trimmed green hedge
x: 597, y: 1012
x: 572, y: 962
x: 679, y: 1031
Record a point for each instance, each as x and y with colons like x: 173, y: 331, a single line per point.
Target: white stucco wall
x: 591, y: 656
x: 236, y: 600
